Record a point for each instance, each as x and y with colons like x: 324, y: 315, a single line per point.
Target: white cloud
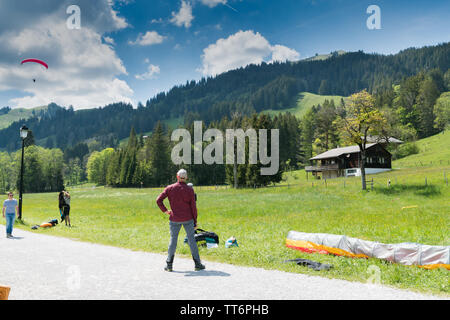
x: 283, y: 54
x: 184, y: 16
x: 120, y: 23
x: 148, y: 39
x: 160, y: 20
x: 83, y: 66
x: 152, y: 70
x: 213, y: 3
x: 109, y: 40
x: 241, y: 49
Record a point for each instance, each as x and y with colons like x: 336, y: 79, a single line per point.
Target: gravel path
x: 38, y: 266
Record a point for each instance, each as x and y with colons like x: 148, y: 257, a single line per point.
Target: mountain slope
x: 6, y: 119
x: 306, y: 101
x: 255, y: 88
x: 433, y: 151
x: 325, y: 56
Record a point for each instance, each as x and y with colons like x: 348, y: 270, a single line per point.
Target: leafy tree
x: 442, y: 112
x: 7, y: 176
x: 33, y: 177
x: 73, y: 172
x: 52, y: 168
x: 362, y: 120
x: 97, y: 166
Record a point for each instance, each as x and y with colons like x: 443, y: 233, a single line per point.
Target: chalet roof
x: 334, y: 153
x: 374, y: 139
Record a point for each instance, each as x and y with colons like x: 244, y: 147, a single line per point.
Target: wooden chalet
x: 345, y: 162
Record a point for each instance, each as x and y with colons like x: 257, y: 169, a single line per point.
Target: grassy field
x: 260, y: 220
x: 434, y: 151
x: 305, y: 102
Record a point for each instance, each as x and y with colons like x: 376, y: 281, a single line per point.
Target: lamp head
x: 23, y: 132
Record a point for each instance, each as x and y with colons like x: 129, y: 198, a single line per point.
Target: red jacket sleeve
x: 160, y: 200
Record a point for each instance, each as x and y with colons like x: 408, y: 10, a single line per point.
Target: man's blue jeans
x: 190, y: 232
x: 10, y: 217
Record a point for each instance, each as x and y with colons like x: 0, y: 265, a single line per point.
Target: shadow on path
x: 16, y: 238
x: 204, y: 273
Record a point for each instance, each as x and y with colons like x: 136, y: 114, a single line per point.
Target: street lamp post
x: 23, y: 135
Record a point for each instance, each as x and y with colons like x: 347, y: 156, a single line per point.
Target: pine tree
x: 159, y: 156
x: 128, y: 164
x: 29, y: 140
x: 428, y: 94
x: 113, y: 172
x: 308, y: 128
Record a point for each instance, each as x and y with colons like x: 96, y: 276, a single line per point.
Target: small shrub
x: 405, y: 150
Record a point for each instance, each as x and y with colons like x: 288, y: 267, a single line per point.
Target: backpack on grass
x: 203, y: 237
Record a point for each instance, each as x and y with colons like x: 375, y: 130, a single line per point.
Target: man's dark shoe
x: 199, y: 266
x: 169, y: 265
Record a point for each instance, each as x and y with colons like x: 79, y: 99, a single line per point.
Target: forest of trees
x: 415, y: 108
x: 147, y: 162
x: 43, y: 170
x: 245, y: 90
x: 411, y: 89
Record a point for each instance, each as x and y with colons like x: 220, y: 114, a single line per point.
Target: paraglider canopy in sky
x: 35, y: 61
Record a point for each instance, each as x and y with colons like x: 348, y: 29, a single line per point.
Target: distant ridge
x: 267, y: 87
x: 319, y: 57
x: 7, y: 117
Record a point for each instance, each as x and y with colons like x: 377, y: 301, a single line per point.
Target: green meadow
x: 306, y: 101
x: 415, y: 208
x: 434, y: 151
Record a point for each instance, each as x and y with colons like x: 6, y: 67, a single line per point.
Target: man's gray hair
x: 182, y: 174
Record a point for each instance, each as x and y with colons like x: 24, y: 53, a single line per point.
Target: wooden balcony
x: 328, y: 167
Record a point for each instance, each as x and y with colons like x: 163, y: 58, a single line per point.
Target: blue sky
x: 129, y: 50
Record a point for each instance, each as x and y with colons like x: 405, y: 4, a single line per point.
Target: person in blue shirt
x: 9, y: 212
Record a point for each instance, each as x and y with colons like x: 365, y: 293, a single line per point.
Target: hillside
x: 268, y: 87
x: 319, y: 57
x: 17, y: 114
x: 305, y: 102
x: 433, y: 151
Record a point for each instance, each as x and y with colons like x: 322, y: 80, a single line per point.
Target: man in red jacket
x: 183, y: 213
